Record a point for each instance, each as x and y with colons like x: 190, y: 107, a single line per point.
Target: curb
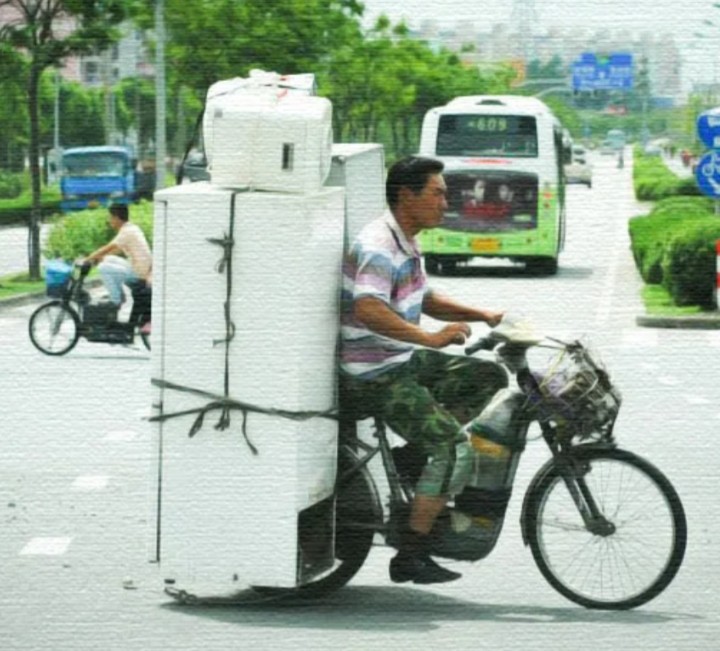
x: 710, y: 321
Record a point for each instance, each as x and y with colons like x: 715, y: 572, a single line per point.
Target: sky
x: 682, y: 19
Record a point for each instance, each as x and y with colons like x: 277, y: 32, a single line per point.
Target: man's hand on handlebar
x: 453, y: 333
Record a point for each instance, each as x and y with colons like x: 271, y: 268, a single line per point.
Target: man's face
x: 427, y: 207
x: 114, y: 222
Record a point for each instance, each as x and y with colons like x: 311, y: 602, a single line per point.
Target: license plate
x: 484, y: 244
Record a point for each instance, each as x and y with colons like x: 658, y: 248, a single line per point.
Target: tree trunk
x: 35, y: 211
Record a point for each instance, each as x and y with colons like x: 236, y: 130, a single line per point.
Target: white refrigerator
x: 255, y: 322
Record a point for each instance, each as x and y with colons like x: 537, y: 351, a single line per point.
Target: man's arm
x: 107, y: 249
x: 378, y: 317
x: 446, y: 309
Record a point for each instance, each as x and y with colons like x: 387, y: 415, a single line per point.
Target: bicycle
x: 56, y: 326
x: 591, y: 515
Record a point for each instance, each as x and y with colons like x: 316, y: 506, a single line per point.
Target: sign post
x: 707, y: 172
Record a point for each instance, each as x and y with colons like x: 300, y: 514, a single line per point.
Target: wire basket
x: 576, y: 393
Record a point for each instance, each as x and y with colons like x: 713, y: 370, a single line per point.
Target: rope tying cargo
x: 227, y: 404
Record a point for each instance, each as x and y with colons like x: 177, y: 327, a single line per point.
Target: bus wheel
x: 432, y: 266
x: 448, y: 266
x: 542, y: 266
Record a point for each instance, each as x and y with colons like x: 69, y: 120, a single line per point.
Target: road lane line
x: 121, y: 435
x: 90, y: 482
x: 640, y: 337
x: 50, y: 546
x: 696, y: 400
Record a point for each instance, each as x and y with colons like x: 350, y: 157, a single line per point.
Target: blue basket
x: 57, y: 277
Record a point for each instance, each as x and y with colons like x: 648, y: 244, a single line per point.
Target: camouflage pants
x: 426, y: 401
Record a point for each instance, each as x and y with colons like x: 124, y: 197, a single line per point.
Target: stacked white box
x: 267, y: 138
x: 360, y: 169
x: 221, y: 511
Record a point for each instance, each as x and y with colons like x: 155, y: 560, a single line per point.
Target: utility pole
x: 160, y: 96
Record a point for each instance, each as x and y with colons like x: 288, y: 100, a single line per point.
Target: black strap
x: 226, y: 404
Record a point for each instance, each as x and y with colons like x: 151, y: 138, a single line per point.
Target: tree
x: 13, y: 109
x: 45, y: 32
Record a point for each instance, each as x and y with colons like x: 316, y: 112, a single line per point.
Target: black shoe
x: 419, y: 569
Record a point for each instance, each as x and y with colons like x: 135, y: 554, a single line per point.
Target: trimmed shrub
x: 651, y: 234
x: 654, y: 181
x: 688, y: 267
x: 78, y: 234
x: 11, y: 185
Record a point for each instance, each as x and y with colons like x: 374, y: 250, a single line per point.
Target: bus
x: 504, y: 161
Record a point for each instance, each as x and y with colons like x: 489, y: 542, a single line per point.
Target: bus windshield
x: 487, y: 135
x: 95, y: 164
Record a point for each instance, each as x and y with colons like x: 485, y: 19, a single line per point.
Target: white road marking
x: 696, y: 400
x: 56, y: 546
x: 121, y: 435
x: 668, y: 381
x: 640, y: 337
x: 90, y: 482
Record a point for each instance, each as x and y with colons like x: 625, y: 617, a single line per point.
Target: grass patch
x: 658, y: 302
x: 18, y: 284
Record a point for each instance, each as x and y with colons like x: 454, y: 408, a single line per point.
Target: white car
x: 579, y: 170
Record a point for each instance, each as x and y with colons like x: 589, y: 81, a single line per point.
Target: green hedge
x: 650, y: 234
x: 11, y: 185
x: 689, y: 264
x: 77, y: 234
x: 653, y: 180
x: 17, y: 210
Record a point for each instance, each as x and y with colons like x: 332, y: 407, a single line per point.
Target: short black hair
x: 119, y: 210
x: 411, y: 172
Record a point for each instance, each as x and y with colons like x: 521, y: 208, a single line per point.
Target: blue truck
x: 97, y: 176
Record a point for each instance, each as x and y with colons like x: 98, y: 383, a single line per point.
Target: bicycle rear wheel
x: 639, y: 543
x: 357, y: 517
x: 54, y: 328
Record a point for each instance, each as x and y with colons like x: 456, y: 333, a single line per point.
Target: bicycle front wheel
x: 54, y: 328
x: 637, y: 543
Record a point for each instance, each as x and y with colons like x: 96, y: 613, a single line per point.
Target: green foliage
x: 78, y: 234
x: 651, y: 234
x: 10, y: 185
x: 689, y: 264
x: 653, y: 180
x: 17, y: 209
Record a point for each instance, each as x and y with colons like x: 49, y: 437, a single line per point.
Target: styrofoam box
x: 221, y: 511
x: 360, y: 169
x: 268, y: 139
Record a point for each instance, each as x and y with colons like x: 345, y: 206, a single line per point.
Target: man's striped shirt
x: 385, y: 264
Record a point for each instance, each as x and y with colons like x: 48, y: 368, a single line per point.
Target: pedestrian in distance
x: 393, y: 367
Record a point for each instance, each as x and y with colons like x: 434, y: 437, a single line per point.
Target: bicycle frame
x: 567, y: 458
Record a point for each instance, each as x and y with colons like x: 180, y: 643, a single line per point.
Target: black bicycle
x: 606, y: 527
x: 56, y: 326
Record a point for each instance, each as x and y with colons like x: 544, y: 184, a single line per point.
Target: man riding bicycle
x: 391, y: 365
x: 134, y: 268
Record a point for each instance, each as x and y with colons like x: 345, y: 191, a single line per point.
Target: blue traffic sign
x: 707, y: 174
x: 708, y: 128
x: 613, y: 72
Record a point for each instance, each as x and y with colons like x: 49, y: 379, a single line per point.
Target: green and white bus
x: 504, y: 158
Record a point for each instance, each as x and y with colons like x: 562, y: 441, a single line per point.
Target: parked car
x: 195, y: 167
x: 608, y: 148
x: 579, y: 170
